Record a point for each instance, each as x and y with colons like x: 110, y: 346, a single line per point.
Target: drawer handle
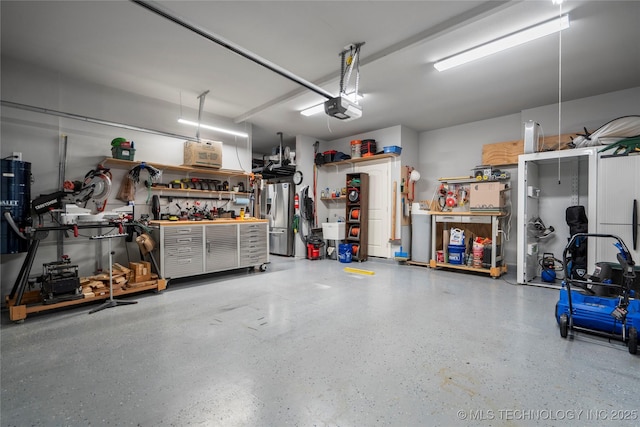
x: 184, y: 250
x: 185, y: 240
x: 184, y: 261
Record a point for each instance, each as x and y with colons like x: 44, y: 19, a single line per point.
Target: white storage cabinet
x: 549, y: 183
x: 618, y: 191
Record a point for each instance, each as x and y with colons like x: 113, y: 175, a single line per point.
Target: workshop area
x: 342, y: 213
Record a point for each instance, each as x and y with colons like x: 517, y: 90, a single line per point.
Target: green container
x: 123, y: 153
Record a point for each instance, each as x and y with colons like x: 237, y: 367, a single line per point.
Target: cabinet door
x: 253, y: 244
x: 618, y: 187
x: 379, y: 208
x: 221, y: 247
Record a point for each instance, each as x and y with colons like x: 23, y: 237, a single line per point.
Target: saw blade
x: 101, y: 185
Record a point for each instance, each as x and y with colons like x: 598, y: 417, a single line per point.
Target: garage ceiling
x: 123, y: 45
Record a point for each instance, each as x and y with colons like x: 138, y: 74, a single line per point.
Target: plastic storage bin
x: 368, y: 147
x: 123, y: 153
x: 392, y: 149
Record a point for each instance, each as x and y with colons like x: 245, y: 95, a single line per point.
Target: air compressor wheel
x: 633, y: 340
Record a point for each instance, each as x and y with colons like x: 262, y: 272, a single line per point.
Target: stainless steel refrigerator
x: 277, y: 205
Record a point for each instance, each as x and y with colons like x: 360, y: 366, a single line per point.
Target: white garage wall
x: 456, y: 150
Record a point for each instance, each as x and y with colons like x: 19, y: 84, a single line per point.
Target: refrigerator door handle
x: 634, y: 224
x: 274, y: 209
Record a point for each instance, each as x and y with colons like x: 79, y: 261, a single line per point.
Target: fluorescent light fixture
x: 509, y: 41
x: 320, y: 107
x: 213, y: 128
x: 313, y: 110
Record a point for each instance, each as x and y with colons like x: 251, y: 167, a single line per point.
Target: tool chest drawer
x: 253, y: 240
x: 181, y: 266
x: 182, y: 235
x: 464, y: 219
x: 248, y: 231
x: 253, y: 257
x: 247, y: 247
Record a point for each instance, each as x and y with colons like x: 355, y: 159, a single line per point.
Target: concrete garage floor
x: 306, y: 344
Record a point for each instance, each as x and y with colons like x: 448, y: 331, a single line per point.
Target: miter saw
x: 73, y: 199
x: 97, y: 187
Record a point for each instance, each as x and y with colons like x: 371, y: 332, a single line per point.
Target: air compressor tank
x: 15, y: 199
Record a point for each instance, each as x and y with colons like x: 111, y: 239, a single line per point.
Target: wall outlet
x: 17, y: 156
x: 532, y: 248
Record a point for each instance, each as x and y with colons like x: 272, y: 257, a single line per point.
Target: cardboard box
x: 140, y: 271
x: 488, y: 196
x: 205, y: 153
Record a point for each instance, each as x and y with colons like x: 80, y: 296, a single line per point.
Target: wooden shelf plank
x: 363, y: 159
x: 191, y: 190
x: 493, y: 272
x: 129, y: 164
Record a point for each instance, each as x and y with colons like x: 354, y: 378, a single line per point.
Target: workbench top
x: 166, y: 223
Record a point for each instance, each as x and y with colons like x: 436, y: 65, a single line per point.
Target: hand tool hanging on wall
x: 155, y: 207
x: 154, y: 175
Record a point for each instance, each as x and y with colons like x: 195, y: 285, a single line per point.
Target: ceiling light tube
x: 313, y: 110
x: 320, y: 107
x: 498, y: 45
x: 213, y: 128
